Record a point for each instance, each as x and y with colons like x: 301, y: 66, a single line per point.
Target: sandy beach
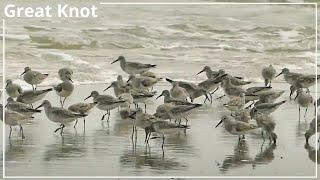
x: 107, y: 149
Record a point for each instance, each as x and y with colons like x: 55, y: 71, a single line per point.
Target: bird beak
x: 23, y: 73
x: 219, y: 123
x: 279, y: 74
x: 115, y: 61
x: 200, y: 72
x: 70, y: 80
x: 107, y: 88
x: 7, y: 85
x: 129, y: 79
x: 296, y: 96
x: 159, y: 96
x: 39, y: 106
x: 87, y: 97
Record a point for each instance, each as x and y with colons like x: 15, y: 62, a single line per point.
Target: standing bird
x: 59, y: 115
x: 65, y: 88
x: 105, y: 103
x: 142, y: 82
x: 33, y: 77
x: 21, y: 107
x: 82, y: 108
x: 172, y: 100
x: 304, y: 100
x: 236, y: 127
x: 133, y: 68
x: 289, y: 77
x: 63, y: 71
x: 236, y: 103
x: 13, y: 90
x: 30, y: 97
x: 267, y: 108
x: 209, y: 73
x: 13, y: 118
x: 268, y: 73
x: 303, y: 81
x: 312, y: 129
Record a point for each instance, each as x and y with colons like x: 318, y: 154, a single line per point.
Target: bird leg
x: 22, y: 134
x: 299, y: 113
x: 75, y: 124
x: 145, y: 108
x: 262, y: 135
x: 108, y: 115
x: 58, y: 128
x: 84, y: 123
x: 61, y: 130
x: 64, y: 100
x: 305, y: 113
x: 10, y: 132
x: 186, y: 121
x: 163, y: 138
x: 132, y: 132
x: 61, y: 102
x: 210, y: 98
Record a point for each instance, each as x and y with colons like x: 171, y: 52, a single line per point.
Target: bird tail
x: 153, y: 65
x: 197, y: 105
x: 48, y: 90
x: 281, y: 102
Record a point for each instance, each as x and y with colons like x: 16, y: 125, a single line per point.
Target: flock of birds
x: 244, y: 105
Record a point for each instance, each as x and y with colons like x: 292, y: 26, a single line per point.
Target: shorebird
x: 59, y: 115
x: 236, y: 103
x: 13, y: 90
x: 133, y: 68
x: 289, y: 77
x: 178, y: 92
x: 141, y: 97
x: 268, y: 73
x: 235, y: 80
x: 142, y: 82
x: 304, y: 100
x: 266, y: 123
x: 266, y: 108
x: 141, y: 120
x: 182, y: 111
x: 30, y: 97
x: 21, y: 107
x: 168, y: 99
x: 82, y: 108
x: 193, y: 90
x: 13, y: 118
x: 105, y: 103
x: 312, y: 129
x: 65, y: 88
x: 33, y: 77
x: 209, y: 73
x: 236, y: 127
x: 162, y: 127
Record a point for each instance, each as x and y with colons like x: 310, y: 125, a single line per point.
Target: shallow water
x: 107, y: 149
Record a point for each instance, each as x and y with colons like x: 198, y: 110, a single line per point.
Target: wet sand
x: 107, y: 150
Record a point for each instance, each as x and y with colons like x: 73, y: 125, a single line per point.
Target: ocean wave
x: 15, y: 37
x: 61, y: 41
x: 34, y: 28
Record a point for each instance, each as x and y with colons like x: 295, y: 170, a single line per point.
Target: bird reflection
x: 265, y: 156
x: 142, y: 157
x: 66, y: 146
x: 312, y: 153
x: 238, y: 159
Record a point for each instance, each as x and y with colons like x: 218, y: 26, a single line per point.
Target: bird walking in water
x: 268, y: 73
x: 59, y: 115
x: 304, y: 100
x: 82, y: 108
x: 65, y: 88
x: 33, y: 77
x: 13, y: 118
